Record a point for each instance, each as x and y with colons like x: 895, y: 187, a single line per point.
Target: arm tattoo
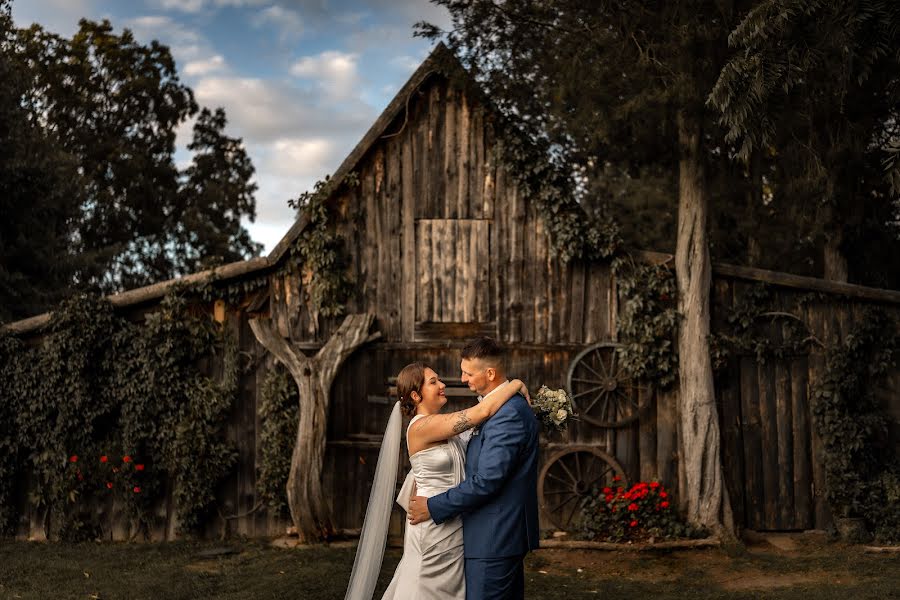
x: 421, y: 422
x: 462, y: 423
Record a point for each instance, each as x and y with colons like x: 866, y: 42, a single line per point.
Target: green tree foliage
x: 817, y: 86
x: 599, y: 84
x: 37, y: 198
x: 95, y: 115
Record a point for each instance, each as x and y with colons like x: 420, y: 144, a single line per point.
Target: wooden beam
x: 155, y: 291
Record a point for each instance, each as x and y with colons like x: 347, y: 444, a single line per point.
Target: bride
x: 432, y: 565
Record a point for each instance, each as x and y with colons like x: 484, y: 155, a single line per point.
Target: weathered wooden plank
x: 425, y: 270
x: 393, y: 208
x: 449, y: 231
x: 802, y: 470
x: 556, y: 290
x: 488, y: 174
x: 576, y: 302
x: 528, y: 272
x: 769, y: 432
x: 465, y: 277
x: 463, y: 152
x: 477, y: 168
x: 816, y: 372
x: 647, y: 434
x: 408, y: 224
x: 482, y: 289
x: 667, y: 437
x: 515, y: 238
x: 370, y: 254
x: 784, y: 425
x: 450, y: 180
x: 434, y: 186
x: 541, y: 290
x: 751, y: 430
x: 383, y: 258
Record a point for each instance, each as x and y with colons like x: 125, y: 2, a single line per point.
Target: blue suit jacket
x: 498, y: 499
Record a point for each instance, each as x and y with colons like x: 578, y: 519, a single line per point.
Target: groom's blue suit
x: 497, y: 501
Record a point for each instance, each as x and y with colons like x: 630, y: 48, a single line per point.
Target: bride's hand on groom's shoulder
x: 418, y: 510
x: 522, y: 389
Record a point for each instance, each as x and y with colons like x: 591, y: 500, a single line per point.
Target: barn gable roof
x: 437, y: 61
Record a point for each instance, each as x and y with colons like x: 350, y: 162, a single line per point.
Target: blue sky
x: 300, y: 80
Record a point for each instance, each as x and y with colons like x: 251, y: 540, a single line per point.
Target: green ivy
x: 862, y: 474
x: 647, y: 321
x: 279, y: 412
x: 744, y: 333
x: 102, y: 410
x: 319, y: 250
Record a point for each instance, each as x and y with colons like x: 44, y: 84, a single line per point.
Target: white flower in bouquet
x: 554, y: 408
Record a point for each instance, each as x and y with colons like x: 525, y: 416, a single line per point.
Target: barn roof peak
x: 441, y: 61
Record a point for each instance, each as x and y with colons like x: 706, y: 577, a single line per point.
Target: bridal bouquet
x: 553, y: 408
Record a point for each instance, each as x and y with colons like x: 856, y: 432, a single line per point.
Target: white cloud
x: 288, y: 22
x: 298, y: 157
x: 334, y: 72
x: 189, y: 6
x: 214, y: 64
x: 264, y: 110
x: 195, y: 6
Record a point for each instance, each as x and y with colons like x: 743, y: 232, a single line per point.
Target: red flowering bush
x: 642, y: 512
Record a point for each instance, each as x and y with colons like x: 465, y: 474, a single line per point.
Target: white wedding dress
x: 432, y: 566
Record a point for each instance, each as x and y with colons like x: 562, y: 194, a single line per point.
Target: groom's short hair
x: 484, y: 348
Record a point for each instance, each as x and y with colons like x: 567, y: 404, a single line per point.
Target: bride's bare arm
x: 435, y: 428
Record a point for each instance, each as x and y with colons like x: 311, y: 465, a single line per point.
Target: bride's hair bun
x: 411, y: 379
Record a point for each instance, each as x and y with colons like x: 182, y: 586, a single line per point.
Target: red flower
x: 654, y: 484
x: 609, y: 498
x: 138, y: 467
x: 104, y: 458
x: 663, y: 495
x: 607, y: 490
x: 73, y: 458
x: 137, y: 490
x: 633, y: 523
x: 617, y: 478
x: 126, y: 459
x: 632, y: 507
x: 664, y: 504
x: 109, y: 485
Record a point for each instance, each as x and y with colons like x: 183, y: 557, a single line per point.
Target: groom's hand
x: 418, y: 510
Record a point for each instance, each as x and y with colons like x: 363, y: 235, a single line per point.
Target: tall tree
x: 818, y: 83
x: 625, y: 83
x: 108, y: 107
x: 36, y: 196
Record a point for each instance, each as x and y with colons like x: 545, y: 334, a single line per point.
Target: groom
x: 498, y: 499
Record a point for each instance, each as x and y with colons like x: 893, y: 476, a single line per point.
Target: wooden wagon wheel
x: 571, y: 474
x: 602, y: 393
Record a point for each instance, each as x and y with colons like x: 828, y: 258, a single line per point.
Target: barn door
x: 776, y: 434
x: 453, y: 283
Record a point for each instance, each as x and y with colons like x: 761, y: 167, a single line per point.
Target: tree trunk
x: 754, y: 210
x: 309, y: 508
x: 703, y: 493
x: 835, y: 262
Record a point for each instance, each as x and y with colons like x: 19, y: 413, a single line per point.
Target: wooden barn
x: 443, y: 246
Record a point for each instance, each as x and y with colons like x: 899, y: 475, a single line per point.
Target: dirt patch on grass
x: 793, y: 562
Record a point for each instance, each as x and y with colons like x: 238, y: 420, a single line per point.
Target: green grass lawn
x: 258, y: 571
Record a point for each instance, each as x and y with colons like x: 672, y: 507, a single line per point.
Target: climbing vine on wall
x: 319, y: 250
x: 862, y: 473
x: 647, y: 320
x: 102, y: 410
x: 279, y: 412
